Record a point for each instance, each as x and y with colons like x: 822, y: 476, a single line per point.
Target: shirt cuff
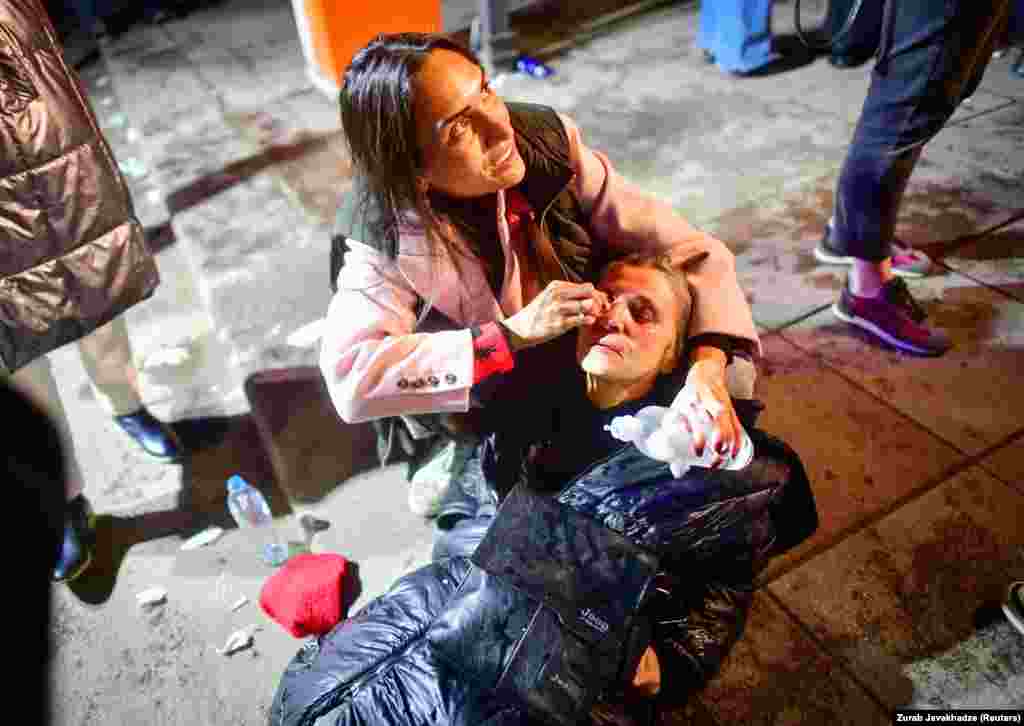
x: 728, y: 344
x: 491, y: 353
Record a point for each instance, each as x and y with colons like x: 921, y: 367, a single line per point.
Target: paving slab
x: 995, y: 259
x: 871, y: 458
x: 832, y: 93
x: 981, y: 103
x: 1000, y: 81
x: 1007, y: 463
x: 773, y: 240
x: 901, y: 599
x: 694, y: 713
x: 971, y: 396
x: 311, y: 164
x: 776, y: 674
x: 949, y: 202
x: 986, y: 139
x: 774, y: 237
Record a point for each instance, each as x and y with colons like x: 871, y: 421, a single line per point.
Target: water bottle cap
x: 236, y: 482
x: 626, y: 428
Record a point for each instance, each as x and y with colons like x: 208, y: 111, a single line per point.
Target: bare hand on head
x: 560, y: 307
x: 705, y: 399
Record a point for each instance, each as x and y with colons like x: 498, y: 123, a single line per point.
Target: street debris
x: 201, y: 539
x: 306, y: 336
x: 133, y: 167
x: 151, y: 597
x: 311, y: 524
x: 239, y: 603
x: 239, y: 640
x: 533, y: 67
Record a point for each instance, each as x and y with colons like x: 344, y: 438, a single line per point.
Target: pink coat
x: 376, y: 366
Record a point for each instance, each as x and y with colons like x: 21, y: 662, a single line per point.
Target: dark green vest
x: 544, y: 146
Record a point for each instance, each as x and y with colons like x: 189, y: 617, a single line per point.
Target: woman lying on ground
x: 714, y: 530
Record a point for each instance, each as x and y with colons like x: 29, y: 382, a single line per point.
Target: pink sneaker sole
x: 906, y: 261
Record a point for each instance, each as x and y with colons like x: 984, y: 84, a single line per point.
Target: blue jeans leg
x: 939, y: 51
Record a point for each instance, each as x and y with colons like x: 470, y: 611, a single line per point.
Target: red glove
x: 305, y: 595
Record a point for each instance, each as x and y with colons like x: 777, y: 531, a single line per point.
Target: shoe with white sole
x: 906, y: 261
x: 894, y: 316
x: 1014, y: 606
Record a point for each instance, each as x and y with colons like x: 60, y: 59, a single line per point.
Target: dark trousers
x: 937, y: 53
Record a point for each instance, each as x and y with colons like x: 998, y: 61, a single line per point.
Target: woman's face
x: 634, y: 339
x: 463, y: 129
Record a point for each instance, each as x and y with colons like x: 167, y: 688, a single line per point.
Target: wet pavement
x: 235, y: 162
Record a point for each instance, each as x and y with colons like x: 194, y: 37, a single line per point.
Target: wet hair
x: 376, y: 100
x: 676, y: 278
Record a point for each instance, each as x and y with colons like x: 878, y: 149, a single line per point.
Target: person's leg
x: 36, y: 382
x: 858, y: 44
x: 756, y: 33
x: 707, y: 28
x: 33, y: 482
x: 737, y: 33
x: 1016, y: 36
x: 938, y: 52
x: 107, y: 356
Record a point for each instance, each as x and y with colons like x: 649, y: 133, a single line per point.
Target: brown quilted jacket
x: 72, y: 254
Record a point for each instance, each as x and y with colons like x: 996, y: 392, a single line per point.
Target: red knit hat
x: 304, y: 596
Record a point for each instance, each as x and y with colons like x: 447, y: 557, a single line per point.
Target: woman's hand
x: 560, y: 307
x: 704, y: 399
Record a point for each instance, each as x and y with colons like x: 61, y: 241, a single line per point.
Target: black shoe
x: 153, y: 435
x: 157, y: 16
x: 79, y: 538
x: 849, y: 60
x: 87, y: 60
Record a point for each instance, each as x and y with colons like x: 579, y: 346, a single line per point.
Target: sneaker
x: 154, y: 436
x: 430, y: 484
x: 894, y: 316
x: 79, y: 539
x: 906, y: 261
x: 1014, y: 606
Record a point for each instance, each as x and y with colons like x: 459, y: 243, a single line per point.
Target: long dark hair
x: 377, y: 99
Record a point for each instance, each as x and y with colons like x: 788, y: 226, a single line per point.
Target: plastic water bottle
x: 250, y: 510
x: 659, y: 433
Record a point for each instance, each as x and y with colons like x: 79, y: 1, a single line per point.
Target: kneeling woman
x: 493, y: 219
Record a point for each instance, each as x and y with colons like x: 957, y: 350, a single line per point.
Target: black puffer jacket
x: 378, y: 668
x: 715, y: 530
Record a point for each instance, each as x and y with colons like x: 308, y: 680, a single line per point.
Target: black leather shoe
x: 849, y: 60
x: 153, y: 435
x: 79, y: 538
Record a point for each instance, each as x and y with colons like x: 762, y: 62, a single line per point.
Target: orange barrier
x: 333, y: 30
